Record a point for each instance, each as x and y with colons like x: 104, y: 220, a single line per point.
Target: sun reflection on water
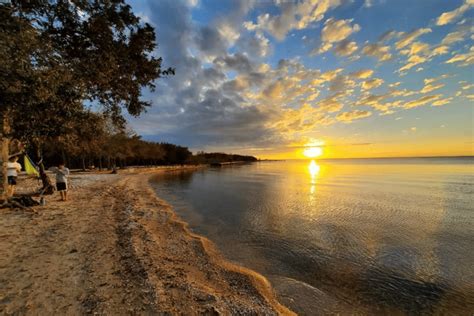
x: 313, y: 169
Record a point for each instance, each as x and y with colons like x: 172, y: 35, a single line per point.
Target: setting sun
x: 313, y: 152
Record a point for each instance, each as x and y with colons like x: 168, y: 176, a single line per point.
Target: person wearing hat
x: 13, y: 167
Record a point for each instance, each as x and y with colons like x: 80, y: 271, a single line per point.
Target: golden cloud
x: 408, y: 38
x: 362, y: 74
x: 382, y: 53
x: 422, y: 101
x: 463, y: 59
x: 451, y: 16
x: 345, y: 48
x: 372, y: 84
x: 348, y: 117
x: 429, y: 87
x: 441, y: 102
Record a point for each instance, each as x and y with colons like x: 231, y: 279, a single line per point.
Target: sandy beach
x: 114, y: 248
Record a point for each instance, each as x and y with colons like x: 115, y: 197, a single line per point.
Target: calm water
x: 355, y: 236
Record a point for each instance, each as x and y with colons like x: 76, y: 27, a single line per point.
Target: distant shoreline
x: 367, y: 158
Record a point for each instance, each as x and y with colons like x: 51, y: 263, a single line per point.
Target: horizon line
x: 395, y: 157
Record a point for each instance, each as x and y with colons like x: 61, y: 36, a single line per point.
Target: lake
x: 364, y: 236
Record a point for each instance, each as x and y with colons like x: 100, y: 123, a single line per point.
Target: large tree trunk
x: 114, y: 165
x: 4, y: 151
x: 83, y: 163
x: 64, y: 158
x: 48, y: 187
x: 3, y: 173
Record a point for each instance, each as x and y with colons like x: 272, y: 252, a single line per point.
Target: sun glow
x: 313, y: 152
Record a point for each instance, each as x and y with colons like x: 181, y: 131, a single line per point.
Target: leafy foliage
x: 60, y: 53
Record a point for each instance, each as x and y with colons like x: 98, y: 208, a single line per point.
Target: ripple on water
x: 372, y: 238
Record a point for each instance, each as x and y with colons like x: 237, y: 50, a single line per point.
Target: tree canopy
x: 64, y: 52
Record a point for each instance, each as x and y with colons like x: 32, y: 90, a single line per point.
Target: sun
x: 313, y: 152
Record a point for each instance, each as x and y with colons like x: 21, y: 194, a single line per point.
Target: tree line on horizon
x: 95, y: 142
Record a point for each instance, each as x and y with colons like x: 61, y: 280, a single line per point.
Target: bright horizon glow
x: 313, y: 152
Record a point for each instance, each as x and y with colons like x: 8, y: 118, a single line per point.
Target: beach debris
x: 22, y: 202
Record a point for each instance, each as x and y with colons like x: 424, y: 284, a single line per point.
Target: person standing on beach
x: 62, y: 174
x: 13, y: 167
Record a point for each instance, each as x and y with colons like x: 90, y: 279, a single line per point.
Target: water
x: 379, y: 236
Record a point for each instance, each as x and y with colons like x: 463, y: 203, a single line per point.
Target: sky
x: 356, y: 78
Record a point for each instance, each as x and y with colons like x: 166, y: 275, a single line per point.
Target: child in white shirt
x: 13, y: 167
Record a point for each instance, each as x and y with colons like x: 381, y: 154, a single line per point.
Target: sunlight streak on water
x: 313, y: 169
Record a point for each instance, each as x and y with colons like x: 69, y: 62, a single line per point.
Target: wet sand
x: 115, y: 248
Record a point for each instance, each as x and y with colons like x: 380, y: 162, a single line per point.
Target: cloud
x: 372, y: 84
x: 466, y: 59
x: 377, y: 50
x: 440, y: 50
x: 345, y: 48
x: 379, y: 102
x: 451, y: 16
x: 325, y: 77
x: 211, y: 42
x: 429, y: 87
x: 416, y: 48
x: 238, y: 62
x: 442, y: 102
x: 348, y: 117
x: 228, y: 32
x: 421, y: 101
x: 419, y: 52
x: 302, y: 119
x: 451, y: 38
x: 294, y: 15
x: 467, y: 86
x: 236, y: 85
x: 256, y: 45
x: 457, y: 36
x: 342, y: 83
x: 412, y: 62
x: 403, y: 93
x: 454, y: 37
x: 274, y: 91
x: 408, y: 38
x: 387, y: 36
x: 336, y: 31
x: 330, y: 104
x: 362, y: 74
x: 192, y: 3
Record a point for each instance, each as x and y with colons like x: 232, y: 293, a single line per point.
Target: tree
x: 58, y: 54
